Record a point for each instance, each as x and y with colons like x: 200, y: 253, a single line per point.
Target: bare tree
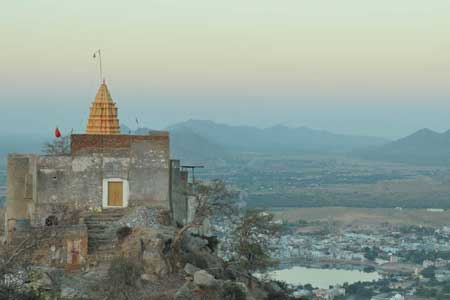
x: 253, y: 237
x: 59, y: 146
x: 17, y: 254
x: 121, y: 281
x: 210, y: 198
x: 16, y: 262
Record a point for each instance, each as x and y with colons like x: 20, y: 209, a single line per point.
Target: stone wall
x: 66, y: 247
x: 149, y: 172
x: 178, y: 198
x: 143, y: 160
x: 20, y: 188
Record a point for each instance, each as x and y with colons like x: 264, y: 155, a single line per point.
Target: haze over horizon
x: 353, y: 67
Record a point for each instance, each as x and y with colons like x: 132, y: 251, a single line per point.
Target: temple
x: 104, y: 177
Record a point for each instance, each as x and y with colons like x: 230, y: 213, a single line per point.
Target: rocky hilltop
x: 138, y: 261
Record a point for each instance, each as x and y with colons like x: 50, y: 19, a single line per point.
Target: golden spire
x: 103, y: 114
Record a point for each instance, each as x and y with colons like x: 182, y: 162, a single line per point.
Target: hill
x: 188, y: 146
x: 424, y: 147
x: 192, y: 148
x: 276, y: 139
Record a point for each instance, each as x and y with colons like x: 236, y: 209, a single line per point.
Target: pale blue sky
x: 351, y: 66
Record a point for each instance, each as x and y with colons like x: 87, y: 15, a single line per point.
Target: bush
x: 122, y: 279
x: 123, y: 232
x: 278, y: 290
x: 124, y: 271
x: 428, y: 272
x: 232, y: 291
x: 14, y: 293
x: 369, y: 269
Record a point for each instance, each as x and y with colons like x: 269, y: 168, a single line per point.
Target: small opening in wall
x: 54, y: 178
x: 51, y: 221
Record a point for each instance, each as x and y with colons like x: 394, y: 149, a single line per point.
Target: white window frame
x: 126, y: 192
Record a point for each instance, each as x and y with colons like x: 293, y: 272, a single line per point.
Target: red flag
x: 57, y: 132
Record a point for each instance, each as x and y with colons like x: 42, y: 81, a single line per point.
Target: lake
x: 322, y: 278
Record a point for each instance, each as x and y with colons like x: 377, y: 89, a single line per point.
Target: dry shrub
x: 122, y: 281
x: 123, y: 232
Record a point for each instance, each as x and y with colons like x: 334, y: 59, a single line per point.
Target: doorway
x: 115, y: 193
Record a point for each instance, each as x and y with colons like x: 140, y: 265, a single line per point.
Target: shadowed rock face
x: 149, y: 245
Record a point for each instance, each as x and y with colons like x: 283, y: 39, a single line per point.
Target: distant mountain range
x: 275, y: 139
x: 200, y: 140
x: 422, y: 147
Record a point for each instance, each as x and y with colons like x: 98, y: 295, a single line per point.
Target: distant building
x: 393, y: 259
x: 427, y: 263
x: 442, y: 275
x: 388, y: 296
x: 435, y: 209
x: 329, y: 294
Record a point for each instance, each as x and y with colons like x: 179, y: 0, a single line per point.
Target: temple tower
x: 103, y: 114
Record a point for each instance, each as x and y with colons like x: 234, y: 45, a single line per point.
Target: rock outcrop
x: 204, y: 279
x: 151, y: 247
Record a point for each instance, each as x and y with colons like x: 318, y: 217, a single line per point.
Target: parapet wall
x: 93, y: 142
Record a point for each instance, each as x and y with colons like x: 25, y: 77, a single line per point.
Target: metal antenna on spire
x: 100, y: 63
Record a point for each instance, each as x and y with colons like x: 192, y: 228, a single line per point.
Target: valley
x: 317, y: 181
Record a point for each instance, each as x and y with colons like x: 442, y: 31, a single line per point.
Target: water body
x: 322, y: 278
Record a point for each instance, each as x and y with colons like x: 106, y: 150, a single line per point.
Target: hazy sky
x: 350, y: 66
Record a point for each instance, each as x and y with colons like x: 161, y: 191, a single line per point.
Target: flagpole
x: 101, y: 70
x: 100, y: 63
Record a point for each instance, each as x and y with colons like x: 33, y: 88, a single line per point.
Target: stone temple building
x: 105, y: 171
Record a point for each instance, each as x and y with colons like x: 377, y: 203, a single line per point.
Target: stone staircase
x: 102, y: 232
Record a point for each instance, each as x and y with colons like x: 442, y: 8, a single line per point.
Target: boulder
x: 185, y: 292
x: 204, y: 279
x: 194, y: 244
x: 150, y: 245
x: 70, y: 293
x: 146, y: 277
x: 244, y: 288
x: 190, y: 269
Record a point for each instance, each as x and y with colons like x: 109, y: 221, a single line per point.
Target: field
x: 421, y: 192
x: 345, y: 216
x: 318, y: 181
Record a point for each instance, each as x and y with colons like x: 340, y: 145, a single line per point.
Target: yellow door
x: 115, y: 193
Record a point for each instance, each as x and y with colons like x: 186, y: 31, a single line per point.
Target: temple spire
x: 103, y: 113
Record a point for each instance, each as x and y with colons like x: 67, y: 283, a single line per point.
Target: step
x: 101, y: 248
x: 93, y: 227
x: 102, y: 218
x: 100, y: 221
x: 102, y: 240
x: 107, y: 213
